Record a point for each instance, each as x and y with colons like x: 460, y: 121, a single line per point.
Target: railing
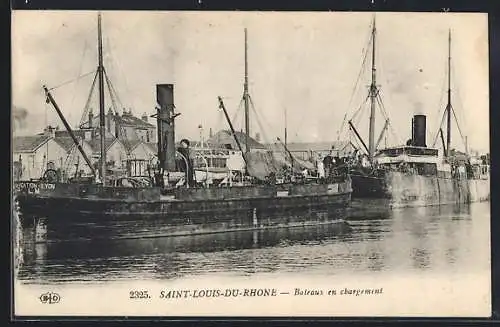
x: 199, y: 155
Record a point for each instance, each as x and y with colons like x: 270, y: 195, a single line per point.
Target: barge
x: 171, y: 196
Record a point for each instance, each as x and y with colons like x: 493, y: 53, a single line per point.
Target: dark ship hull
x: 369, y: 185
x: 185, y: 211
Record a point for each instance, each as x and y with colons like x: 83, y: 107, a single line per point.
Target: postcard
x: 188, y: 163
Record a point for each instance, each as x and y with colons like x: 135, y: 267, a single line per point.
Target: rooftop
x: 65, y: 142
x: 28, y: 143
x: 95, y: 144
x: 224, y: 136
x: 127, y: 119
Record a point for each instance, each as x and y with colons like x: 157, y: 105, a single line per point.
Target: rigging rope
x: 121, y: 129
x: 458, y: 126
x: 235, y: 117
x: 460, y: 103
x: 119, y: 69
x: 359, y: 110
x: 264, y: 135
x: 441, y: 105
x: 381, y: 103
x: 113, y: 91
x: 357, y: 119
x: 79, y: 72
x: 365, y: 51
x: 71, y: 81
x: 110, y: 91
x: 440, y: 125
x: 87, y: 104
x: 386, y: 116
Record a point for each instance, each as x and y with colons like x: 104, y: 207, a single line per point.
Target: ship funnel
x: 166, y: 126
x: 419, y: 130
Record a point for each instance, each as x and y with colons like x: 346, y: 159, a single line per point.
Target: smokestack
x: 419, y: 130
x: 166, y: 126
x: 144, y: 117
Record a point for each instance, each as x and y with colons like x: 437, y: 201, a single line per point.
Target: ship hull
x: 199, y: 211
x: 417, y: 190
x: 368, y: 186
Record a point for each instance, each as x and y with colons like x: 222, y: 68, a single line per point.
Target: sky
x: 304, y: 64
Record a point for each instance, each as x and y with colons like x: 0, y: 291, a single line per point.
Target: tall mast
x: 286, y: 132
x: 102, y: 118
x: 373, y: 96
x: 245, y: 98
x: 448, y: 106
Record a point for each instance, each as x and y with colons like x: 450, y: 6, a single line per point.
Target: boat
x: 415, y: 174
x: 172, y: 197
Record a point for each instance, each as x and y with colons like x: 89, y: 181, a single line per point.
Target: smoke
x: 418, y: 108
x: 20, y: 117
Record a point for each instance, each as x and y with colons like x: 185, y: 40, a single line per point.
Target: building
x: 141, y: 155
x: 34, y: 154
x: 75, y: 162
x: 116, y: 152
x: 225, y: 139
x: 127, y: 138
x: 125, y: 126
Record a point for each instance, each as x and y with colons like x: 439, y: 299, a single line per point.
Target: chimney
x: 419, y: 130
x: 210, y: 133
x: 91, y: 118
x: 166, y: 126
x: 145, y: 117
x: 109, y: 116
x: 257, y: 137
x: 50, y: 131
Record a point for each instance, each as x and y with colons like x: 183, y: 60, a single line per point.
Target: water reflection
x: 373, y: 240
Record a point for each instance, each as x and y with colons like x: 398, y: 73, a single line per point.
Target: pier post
x: 254, y: 216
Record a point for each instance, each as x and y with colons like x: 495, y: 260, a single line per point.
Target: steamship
x: 415, y: 174
x: 172, y: 197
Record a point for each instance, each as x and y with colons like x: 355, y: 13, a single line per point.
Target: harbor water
x: 372, y: 241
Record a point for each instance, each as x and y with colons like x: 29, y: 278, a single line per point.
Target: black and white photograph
x: 224, y: 163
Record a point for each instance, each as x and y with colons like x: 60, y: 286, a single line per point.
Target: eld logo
x: 50, y: 298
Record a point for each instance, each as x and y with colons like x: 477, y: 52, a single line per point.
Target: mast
x: 245, y: 98
x: 286, y: 133
x: 448, y: 105
x: 102, y: 117
x: 373, y: 96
